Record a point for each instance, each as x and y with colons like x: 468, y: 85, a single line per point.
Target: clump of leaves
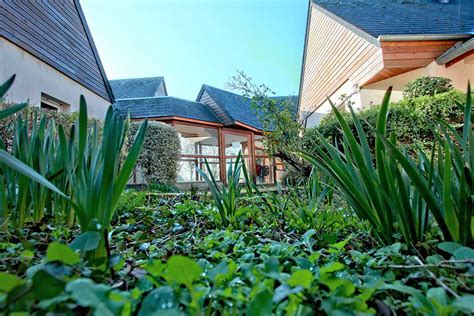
x: 427, y: 86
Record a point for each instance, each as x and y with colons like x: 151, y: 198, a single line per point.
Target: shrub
x: 372, y: 182
x: 159, y: 157
x: 427, y: 86
x: 408, y: 120
x: 29, y: 114
x: 446, y: 185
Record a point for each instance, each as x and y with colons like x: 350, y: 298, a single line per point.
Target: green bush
x: 159, y: 157
x: 427, y: 86
x: 29, y: 114
x: 408, y: 120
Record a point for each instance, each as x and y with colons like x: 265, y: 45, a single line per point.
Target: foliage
x: 171, y: 258
x: 33, y: 115
x: 163, y: 188
x: 427, y: 86
x: 17, y: 194
x: 279, y: 119
x: 159, y: 157
x: 94, y: 169
x: 446, y: 185
x: 317, y: 198
x: 226, y: 199
x: 373, y: 185
x: 408, y: 120
x: 39, y: 149
x: 171, y: 255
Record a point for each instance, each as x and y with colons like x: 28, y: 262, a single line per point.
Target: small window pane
x: 197, y: 140
x: 187, y: 169
x: 235, y: 143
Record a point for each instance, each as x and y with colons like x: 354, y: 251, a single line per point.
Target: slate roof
x: 138, y: 87
x: 404, y: 17
x: 56, y: 32
x: 165, y: 106
x: 238, y: 107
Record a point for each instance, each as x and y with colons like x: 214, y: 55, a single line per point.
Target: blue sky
x: 191, y: 42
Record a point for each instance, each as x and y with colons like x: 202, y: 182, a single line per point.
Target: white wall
x: 459, y: 73
x: 373, y: 94
x: 34, y: 77
x: 348, y: 89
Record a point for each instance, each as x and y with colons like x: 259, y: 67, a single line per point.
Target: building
x: 215, y: 127
x: 354, y: 50
x: 47, y: 44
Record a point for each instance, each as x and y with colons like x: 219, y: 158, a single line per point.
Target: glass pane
x: 265, y: 169
x: 235, y: 143
x: 259, y: 145
x: 198, y: 140
x: 231, y: 161
x: 187, y: 169
x: 280, y: 170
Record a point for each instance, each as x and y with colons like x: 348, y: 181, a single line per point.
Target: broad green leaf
x: 8, y: 282
x: 160, y: 301
x: 86, y: 241
x: 331, y: 267
x: 60, y: 252
x: 449, y: 247
x: 302, y: 278
x: 46, y: 286
x: 182, y: 270
x: 466, y: 303
x: 88, y: 294
x: 261, y: 305
x: 463, y: 253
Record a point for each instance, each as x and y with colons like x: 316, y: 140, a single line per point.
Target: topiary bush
x: 159, y: 157
x: 409, y: 120
x: 427, y: 86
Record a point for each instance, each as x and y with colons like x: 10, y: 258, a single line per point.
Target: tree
x: 279, y: 117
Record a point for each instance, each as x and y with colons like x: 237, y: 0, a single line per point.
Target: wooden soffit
x: 403, y: 56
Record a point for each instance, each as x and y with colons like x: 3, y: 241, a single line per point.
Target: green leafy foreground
x: 170, y: 255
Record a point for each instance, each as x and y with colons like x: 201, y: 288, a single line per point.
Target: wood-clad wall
x: 53, y: 31
x: 333, y: 55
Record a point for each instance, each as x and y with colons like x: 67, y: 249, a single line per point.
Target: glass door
x: 234, y: 142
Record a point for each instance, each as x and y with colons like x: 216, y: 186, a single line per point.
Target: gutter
x: 455, y: 51
x: 423, y: 37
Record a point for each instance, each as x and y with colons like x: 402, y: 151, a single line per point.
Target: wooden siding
x: 334, y: 54
x: 54, y: 32
x: 402, y: 57
x: 207, y: 99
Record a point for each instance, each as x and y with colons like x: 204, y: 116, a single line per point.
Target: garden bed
x: 175, y: 252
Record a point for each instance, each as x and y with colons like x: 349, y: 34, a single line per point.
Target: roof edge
x: 358, y: 31
x: 422, y: 37
x: 203, y: 89
x: 94, y: 50
x: 303, y: 59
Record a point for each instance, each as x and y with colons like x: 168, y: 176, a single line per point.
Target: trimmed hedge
x: 159, y: 157
x: 408, y: 119
x: 7, y: 126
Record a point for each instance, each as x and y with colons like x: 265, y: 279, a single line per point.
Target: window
x: 198, y: 143
x: 52, y: 104
x: 264, y: 165
x: 234, y: 142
